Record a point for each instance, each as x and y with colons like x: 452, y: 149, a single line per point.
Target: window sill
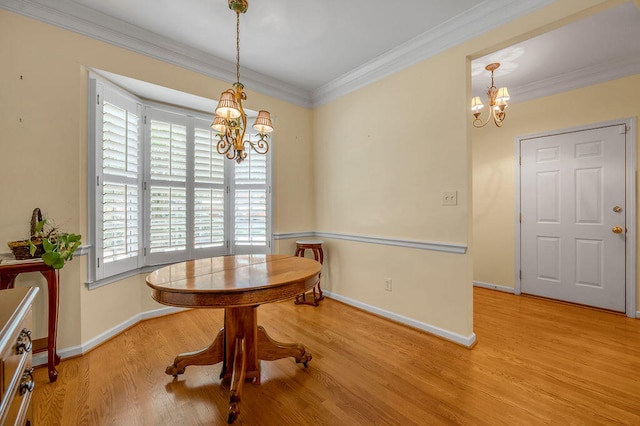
x: 91, y: 285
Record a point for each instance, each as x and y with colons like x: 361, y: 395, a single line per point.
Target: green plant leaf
x: 32, y: 248
x: 49, y: 258
x: 72, y: 238
x: 48, y: 245
x: 58, y: 263
x: 53, y: 259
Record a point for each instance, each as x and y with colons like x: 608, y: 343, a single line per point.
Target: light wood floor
x: 536, y: 362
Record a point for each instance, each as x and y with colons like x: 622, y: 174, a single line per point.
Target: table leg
x: 301, y: 299
x: 52, y: 355
x: 7, y: 280
x: 320, y: 258
x: 212, y: 354
x: 271, y: 350
x: 237, y: 379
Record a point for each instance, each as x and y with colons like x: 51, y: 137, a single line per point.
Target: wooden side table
x: 316, y: 247
x: 8, y: 274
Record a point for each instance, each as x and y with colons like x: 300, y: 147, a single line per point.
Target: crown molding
x: 91, y: 23
x: 583, y: 77
x: 478, y: 20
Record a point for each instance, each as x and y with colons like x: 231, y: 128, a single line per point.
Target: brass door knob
x: 617, y: 230
x: 617, y: 209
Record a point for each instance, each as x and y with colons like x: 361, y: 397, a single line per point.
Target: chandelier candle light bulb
x: 230, y: 122
x: 497, y: 101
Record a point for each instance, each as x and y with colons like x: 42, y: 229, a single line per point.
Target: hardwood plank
x: 536, y: 362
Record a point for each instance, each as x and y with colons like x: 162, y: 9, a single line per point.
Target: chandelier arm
x: 223, y: 146
x: 479, y: 120
x: 498, y: 117
x: 261, y: 146
x: 231, y: 154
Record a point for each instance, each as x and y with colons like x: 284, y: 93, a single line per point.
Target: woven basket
x: 20, y: 249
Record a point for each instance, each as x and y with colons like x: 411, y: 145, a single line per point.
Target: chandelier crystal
x: 230, y: 122
x: 497, y: 102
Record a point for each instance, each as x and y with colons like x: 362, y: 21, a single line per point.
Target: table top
x: 233, y: 281
x: 309, y: 242
x: 19, y: 266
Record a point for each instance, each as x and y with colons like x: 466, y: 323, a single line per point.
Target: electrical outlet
x: 449, y: 198
x: 388, y: 285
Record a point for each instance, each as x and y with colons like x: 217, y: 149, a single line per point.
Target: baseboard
x: 41, y: 357
x: 494, y: 287
x: 466, y: 341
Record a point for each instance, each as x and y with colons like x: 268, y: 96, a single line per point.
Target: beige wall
x: 494, y: 164
x: 377, y: 181
x: 354, y: 166
x: 43, y: 117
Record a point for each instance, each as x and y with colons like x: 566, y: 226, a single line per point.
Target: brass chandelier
x: 230, y: 122
x: 497, y: 102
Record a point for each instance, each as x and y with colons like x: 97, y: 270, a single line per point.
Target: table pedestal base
x: 240, y: 346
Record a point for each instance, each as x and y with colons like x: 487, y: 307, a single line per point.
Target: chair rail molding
x: 446, y: 247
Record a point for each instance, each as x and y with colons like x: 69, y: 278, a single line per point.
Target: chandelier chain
x: 238, y: 47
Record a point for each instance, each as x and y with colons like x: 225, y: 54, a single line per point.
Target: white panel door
x: 572, y: 198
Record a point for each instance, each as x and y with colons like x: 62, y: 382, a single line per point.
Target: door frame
x: 630, y: 204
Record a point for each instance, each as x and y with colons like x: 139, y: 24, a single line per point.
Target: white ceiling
x: 311, y: 51
x: 306, y: 43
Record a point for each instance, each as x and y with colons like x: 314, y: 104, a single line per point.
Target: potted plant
x: 58, y: 246
x: 46, y: 242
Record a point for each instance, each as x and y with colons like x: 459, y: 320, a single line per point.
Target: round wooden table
x: 239, y: 284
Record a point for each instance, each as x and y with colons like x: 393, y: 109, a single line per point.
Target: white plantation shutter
x: 209, y: 189
x: 250, y: 205
x: 167, y: 186
x: 118, y: 209
x: 120, y: 221
x: 168, y: 219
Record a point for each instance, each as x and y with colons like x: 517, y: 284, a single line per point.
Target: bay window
x: 160, y: 193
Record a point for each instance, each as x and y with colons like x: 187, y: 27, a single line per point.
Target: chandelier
x: 230, y: 122
x: 497, y: 102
